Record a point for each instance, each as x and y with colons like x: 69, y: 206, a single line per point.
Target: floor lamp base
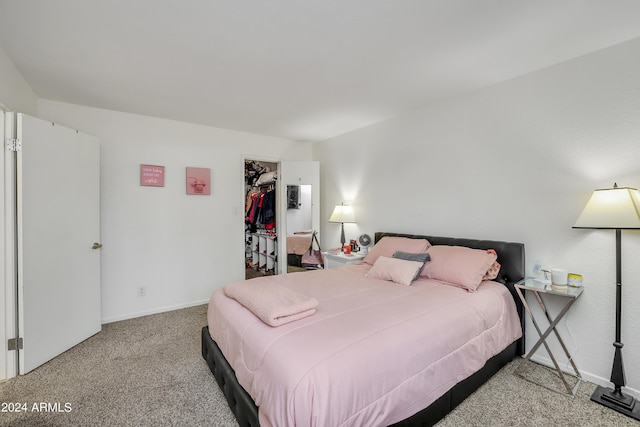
x: 620, y: 402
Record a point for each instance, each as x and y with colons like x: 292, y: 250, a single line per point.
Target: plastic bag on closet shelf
x: 267, y: 178
x: 312, y: 259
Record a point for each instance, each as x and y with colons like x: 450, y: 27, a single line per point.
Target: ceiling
x: 305, y: 70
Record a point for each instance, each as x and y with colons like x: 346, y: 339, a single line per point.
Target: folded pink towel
x: 272, y: 303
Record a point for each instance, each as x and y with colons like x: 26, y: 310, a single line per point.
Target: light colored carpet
x: 251, y: 273
x: 508, y: 400
x: 149, y: 372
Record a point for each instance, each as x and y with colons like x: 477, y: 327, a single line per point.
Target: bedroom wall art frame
x: 198, y: 181
x: 151, y: 176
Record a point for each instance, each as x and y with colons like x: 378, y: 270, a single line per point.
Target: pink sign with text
x: 152, y: 176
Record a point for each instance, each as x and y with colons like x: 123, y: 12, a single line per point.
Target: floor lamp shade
x: 616, y: 208
x: 611, y: 208
x: 342, y: 213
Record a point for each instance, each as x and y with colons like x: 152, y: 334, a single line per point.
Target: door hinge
x: 13, y: 144
x: 14, y: 344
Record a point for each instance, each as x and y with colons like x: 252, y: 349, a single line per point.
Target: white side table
x: 340, y: 259
x: 570, y: 294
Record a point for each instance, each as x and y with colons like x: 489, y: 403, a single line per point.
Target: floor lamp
x: 616, y: 209
x: 342, y: 213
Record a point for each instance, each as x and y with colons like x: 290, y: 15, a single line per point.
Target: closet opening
x: 261, y: 229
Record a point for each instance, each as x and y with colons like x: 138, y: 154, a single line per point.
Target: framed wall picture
x: 152, y: 176
x: 198, y: 181
x: 293, y: 197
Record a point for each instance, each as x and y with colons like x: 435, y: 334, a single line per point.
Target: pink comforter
x: 374, y: 353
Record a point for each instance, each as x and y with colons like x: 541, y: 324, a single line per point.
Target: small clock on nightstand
x: 340, y: 259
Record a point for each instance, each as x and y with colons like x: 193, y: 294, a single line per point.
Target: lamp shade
x: 611, y: 208
x: 342, y: 213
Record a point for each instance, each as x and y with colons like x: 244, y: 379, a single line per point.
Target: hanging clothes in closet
x: 261, y: 208
x: 269, y: 209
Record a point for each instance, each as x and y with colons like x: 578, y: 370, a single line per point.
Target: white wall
x: 15, y: 93
x: 516, y: 161
x: 180, y: 247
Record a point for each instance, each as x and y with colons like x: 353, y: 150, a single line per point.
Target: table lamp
x: 342, y: 213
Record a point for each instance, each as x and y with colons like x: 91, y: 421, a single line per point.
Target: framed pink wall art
x: 198, y: 181
x: 152, y: 176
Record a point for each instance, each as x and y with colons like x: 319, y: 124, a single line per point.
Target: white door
x: 3, y: 272
x: 58, y: 221
x: 297, y: 173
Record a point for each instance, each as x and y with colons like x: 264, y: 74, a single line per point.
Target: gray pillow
x: 422, y: 257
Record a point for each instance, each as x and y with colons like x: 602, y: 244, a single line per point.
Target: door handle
x: 96, y: 245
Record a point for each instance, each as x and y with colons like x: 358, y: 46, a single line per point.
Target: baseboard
x: 587, y: 376
x: 154, y: 311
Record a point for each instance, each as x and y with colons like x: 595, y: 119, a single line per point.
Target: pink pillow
x: 458, y: 265
x: 395, y: 269
x: 493, y: 271
x: 388, y: 245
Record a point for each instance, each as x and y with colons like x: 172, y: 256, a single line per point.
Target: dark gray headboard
x: 510, y: 257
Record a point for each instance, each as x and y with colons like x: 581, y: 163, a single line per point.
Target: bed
x: 355, y: 361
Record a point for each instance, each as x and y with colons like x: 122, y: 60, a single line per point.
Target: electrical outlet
x: 537, y: 268
x: 142, y: 291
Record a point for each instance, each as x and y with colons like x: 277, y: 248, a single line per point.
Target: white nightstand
x: 340, y: 259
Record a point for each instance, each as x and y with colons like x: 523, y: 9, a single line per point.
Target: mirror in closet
x: 299, y: 226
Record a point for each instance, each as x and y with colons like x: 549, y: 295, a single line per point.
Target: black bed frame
x: 510, y: 256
